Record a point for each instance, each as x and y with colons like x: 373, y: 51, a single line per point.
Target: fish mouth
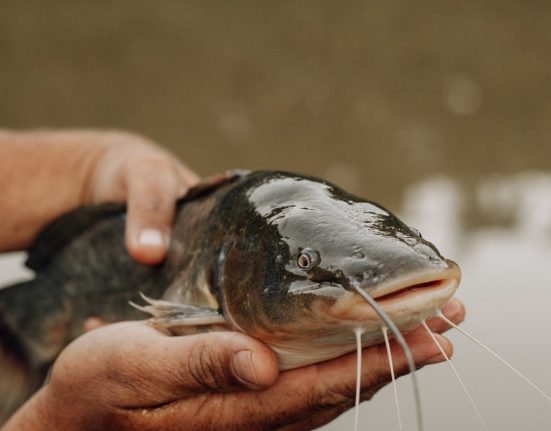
x: 427, y: 283
x: 404, y: 294
x: 407, y: 301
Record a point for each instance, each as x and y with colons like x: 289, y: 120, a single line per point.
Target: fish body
x: 271, y: 254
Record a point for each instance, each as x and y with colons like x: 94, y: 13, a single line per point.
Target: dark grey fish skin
x: 234, y: 263
x: 83, y: 269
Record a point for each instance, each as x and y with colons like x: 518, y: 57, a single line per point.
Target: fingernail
x: 152, y: 238
x: 242, y: 364
x: 451, y: 308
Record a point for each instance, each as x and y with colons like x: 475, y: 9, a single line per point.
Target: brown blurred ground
x: 370, y: 94
x: 374, y: 95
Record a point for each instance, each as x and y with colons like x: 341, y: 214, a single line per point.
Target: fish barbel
x: 276, y: 255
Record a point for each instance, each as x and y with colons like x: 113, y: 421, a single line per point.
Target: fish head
x: 318, y: 245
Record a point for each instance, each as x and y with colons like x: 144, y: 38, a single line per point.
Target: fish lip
x: 407, y: 302
x: 427, y: 279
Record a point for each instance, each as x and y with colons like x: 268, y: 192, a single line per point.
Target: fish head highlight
x: 303, y: 246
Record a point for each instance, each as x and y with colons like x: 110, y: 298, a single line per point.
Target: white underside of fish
x: 407, y: 308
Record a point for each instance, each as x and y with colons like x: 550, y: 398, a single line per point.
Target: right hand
x: 129, y: 376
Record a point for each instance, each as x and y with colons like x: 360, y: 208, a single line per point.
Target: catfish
x: 276, y: 255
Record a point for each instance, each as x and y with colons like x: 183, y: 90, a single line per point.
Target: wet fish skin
x: 232, y: 264
x: 261, y: 289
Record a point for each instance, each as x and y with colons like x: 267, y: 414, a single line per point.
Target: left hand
x: 149, y: 180
x: 46, y: 173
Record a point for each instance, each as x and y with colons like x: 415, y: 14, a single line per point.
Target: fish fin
x: 211, y: 184
x: 18, y: 378
x: 238, y: 172
x: 167, y: 314
x: 66, y: 228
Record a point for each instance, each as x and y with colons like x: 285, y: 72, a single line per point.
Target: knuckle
x: 205, y: 368
x: 335, y: 396
x: 153, y: 200
x: 325, y: 397
x: 329, y: 399
x: 155, y: 162
x: 150, y: 160
x: 151, y: 204
x: 371, y: 391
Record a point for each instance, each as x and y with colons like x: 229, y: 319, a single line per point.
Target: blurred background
x: 440, y: 111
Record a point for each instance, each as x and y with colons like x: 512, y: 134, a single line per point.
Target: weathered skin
x: 234, y: 257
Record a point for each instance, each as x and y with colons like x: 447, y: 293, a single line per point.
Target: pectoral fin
x: 171, y: 315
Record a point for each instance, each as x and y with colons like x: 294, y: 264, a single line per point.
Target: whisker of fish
x: 402, y: 342
x: 358, y: 332
x: 424, y: 323
x: 495, y: 355
x: 394, y: 386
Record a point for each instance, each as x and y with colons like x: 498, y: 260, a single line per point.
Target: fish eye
x: 308, y: 258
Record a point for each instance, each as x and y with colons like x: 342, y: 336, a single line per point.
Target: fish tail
x: 18, y: 377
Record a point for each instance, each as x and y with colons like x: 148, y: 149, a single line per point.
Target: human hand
x: 45, y: 173
x: 129, y: 376
x: 132, y: 169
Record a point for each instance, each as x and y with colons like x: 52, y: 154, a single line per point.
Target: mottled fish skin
x: 232, y: 264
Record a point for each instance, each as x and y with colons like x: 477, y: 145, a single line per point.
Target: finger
x: 328, y: 389
x: 155, y: 368
x: 153, y: 188
x: 375, y: 366
x: 453, y: 310
x: 93, y: 323
x: 221, y: 361
x: 318, y: 392
x: 188, y: 178
x: 332, y: 385
x: 309, y: 397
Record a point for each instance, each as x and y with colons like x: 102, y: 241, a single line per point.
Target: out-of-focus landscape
x: 439, y: 111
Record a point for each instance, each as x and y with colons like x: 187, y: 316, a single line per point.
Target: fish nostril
x: 371, y: 275
x: 429, y: 254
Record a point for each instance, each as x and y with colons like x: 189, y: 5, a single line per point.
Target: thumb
x: 132, y: 364
x: 223, y: 361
